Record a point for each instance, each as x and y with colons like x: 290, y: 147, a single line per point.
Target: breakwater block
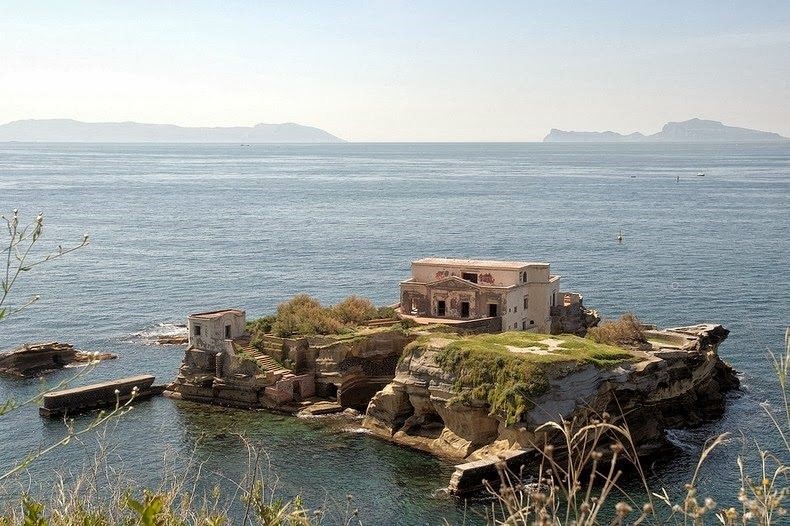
x: 88, y: 397
x: 470, y: 477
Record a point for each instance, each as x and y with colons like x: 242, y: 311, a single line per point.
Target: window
x: 197, y: 330
x: 526, y: 302
x: 441, y: 308
x: 515, y: 309
x: 464, y: 309
x: 469, y: 276
x: 227, y: 332
x: 532, y: 322
x: 524, y: 325
x: 493, y: 310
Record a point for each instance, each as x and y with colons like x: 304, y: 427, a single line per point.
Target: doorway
x: 464, y: 309
x: 441, y: 308
x: 493, y: 310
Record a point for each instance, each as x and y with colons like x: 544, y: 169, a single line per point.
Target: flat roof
x: 478, y: 263
x: 215, y: 313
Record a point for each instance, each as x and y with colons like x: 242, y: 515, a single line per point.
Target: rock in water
x: 37, y: 358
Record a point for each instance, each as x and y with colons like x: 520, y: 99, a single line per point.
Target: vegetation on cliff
x: 508, y: 370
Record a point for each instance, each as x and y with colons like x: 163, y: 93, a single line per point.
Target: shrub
x: 354, y: 310
x: 261, y: 325
x: 304, y: 315
x: 625, y: 332
x: 386, y: 312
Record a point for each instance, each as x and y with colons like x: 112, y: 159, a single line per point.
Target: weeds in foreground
x: 104, y: 496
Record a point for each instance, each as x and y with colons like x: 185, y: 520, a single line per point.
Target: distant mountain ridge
x: 693, y: 130
x: 69, y: 130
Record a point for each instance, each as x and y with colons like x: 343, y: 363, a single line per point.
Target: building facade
x: 209, y: 331
x: 520, y: 293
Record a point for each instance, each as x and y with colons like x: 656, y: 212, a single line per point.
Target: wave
x: 151, y: 335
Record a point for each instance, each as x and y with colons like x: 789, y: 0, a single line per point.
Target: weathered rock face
x: 681, y: 382
x: 36, y: 358
x: 573, y: 319
x: 356, y: 370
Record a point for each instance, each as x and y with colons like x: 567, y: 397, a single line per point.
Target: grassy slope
x: 485, y: 369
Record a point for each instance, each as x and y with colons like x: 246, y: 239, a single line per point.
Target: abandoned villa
x: 459, y: 290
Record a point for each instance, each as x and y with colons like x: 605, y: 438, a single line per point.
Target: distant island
x: 69, y: 130
x: 693, y: 130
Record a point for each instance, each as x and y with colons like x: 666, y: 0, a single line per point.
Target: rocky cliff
x: 679, y: 382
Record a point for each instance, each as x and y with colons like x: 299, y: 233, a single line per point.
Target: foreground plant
x: 18, y: 255
x: 103, y: 496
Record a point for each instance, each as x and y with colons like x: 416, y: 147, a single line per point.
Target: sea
x: 182, y: 228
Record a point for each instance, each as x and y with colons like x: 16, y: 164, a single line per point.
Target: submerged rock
x: 36, y: 358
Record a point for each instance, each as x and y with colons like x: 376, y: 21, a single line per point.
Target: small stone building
x: 519, y: 293
x: 209, y: 331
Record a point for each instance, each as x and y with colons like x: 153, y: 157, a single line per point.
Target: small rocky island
x: 32, y: 359
x: 472, y: 361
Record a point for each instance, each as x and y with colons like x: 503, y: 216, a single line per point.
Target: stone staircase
x: 266, y: 362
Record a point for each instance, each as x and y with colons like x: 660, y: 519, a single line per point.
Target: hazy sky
x: 400, y: 70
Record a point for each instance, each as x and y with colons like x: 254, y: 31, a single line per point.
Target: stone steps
x: 266, y: 362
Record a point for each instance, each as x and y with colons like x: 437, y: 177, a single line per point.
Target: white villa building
x: 520, y: 293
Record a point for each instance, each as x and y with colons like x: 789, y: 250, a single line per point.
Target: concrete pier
x: 86, y: 398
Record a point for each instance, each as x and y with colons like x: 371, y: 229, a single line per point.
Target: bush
x: 354, y: 310
x: 625, y: 332
x: 386, y: 312
x: 304, y: 315
x: 261, y: 325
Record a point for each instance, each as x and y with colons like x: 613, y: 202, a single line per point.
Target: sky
x: 380, y: 70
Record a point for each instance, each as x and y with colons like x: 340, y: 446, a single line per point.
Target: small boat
x: 620, y: 237
x: 700, y: 174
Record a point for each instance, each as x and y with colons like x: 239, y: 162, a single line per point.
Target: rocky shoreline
x: 679, y: 382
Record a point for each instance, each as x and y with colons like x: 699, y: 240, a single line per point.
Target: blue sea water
x: 183, y: 228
